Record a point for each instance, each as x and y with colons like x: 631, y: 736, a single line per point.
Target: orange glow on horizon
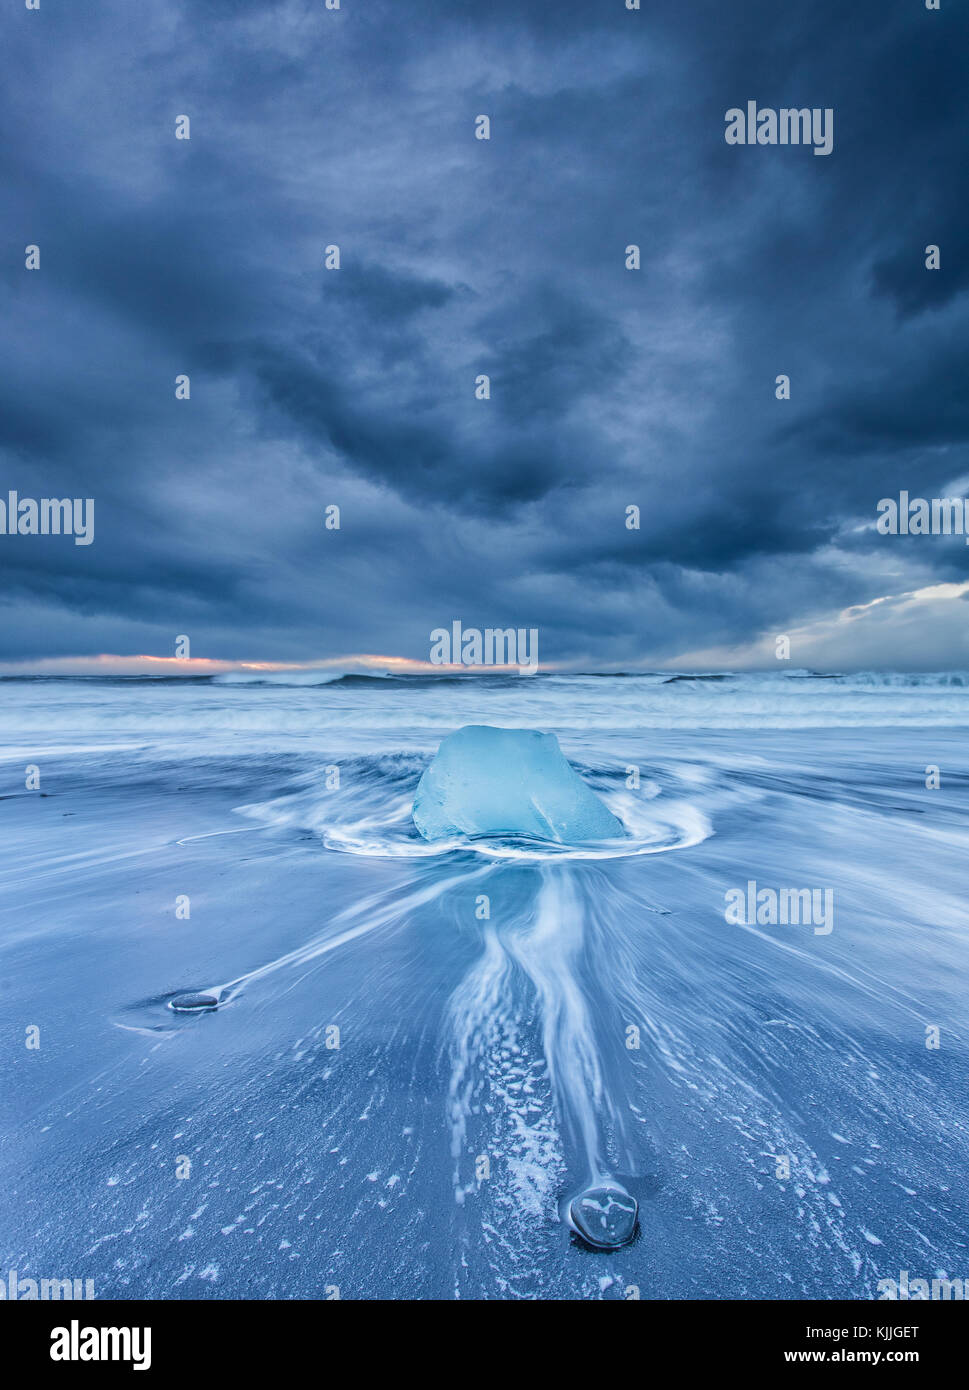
x: 201, y: 665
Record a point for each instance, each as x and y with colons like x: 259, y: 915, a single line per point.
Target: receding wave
x: 368, y: 811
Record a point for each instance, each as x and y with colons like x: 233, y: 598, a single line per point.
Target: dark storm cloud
x: 459, y: 258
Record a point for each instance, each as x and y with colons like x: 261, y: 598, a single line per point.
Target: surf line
x: 211, y: 834
x: 388, y: 913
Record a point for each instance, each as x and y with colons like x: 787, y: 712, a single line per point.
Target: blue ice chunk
x: 605, y: 1215
x: 487, y: 781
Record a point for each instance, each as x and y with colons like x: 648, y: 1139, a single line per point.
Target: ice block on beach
x: 487, y: 781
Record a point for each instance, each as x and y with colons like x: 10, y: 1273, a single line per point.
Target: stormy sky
x: 610, y: 387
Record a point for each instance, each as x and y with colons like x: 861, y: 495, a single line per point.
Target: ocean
x: 423, y: 1052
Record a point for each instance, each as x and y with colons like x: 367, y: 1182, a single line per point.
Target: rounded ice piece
x: 488, y: 781
x: 605, y: 1216
x: 193, y: 1003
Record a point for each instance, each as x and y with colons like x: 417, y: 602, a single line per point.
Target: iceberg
x: 488, y: 781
